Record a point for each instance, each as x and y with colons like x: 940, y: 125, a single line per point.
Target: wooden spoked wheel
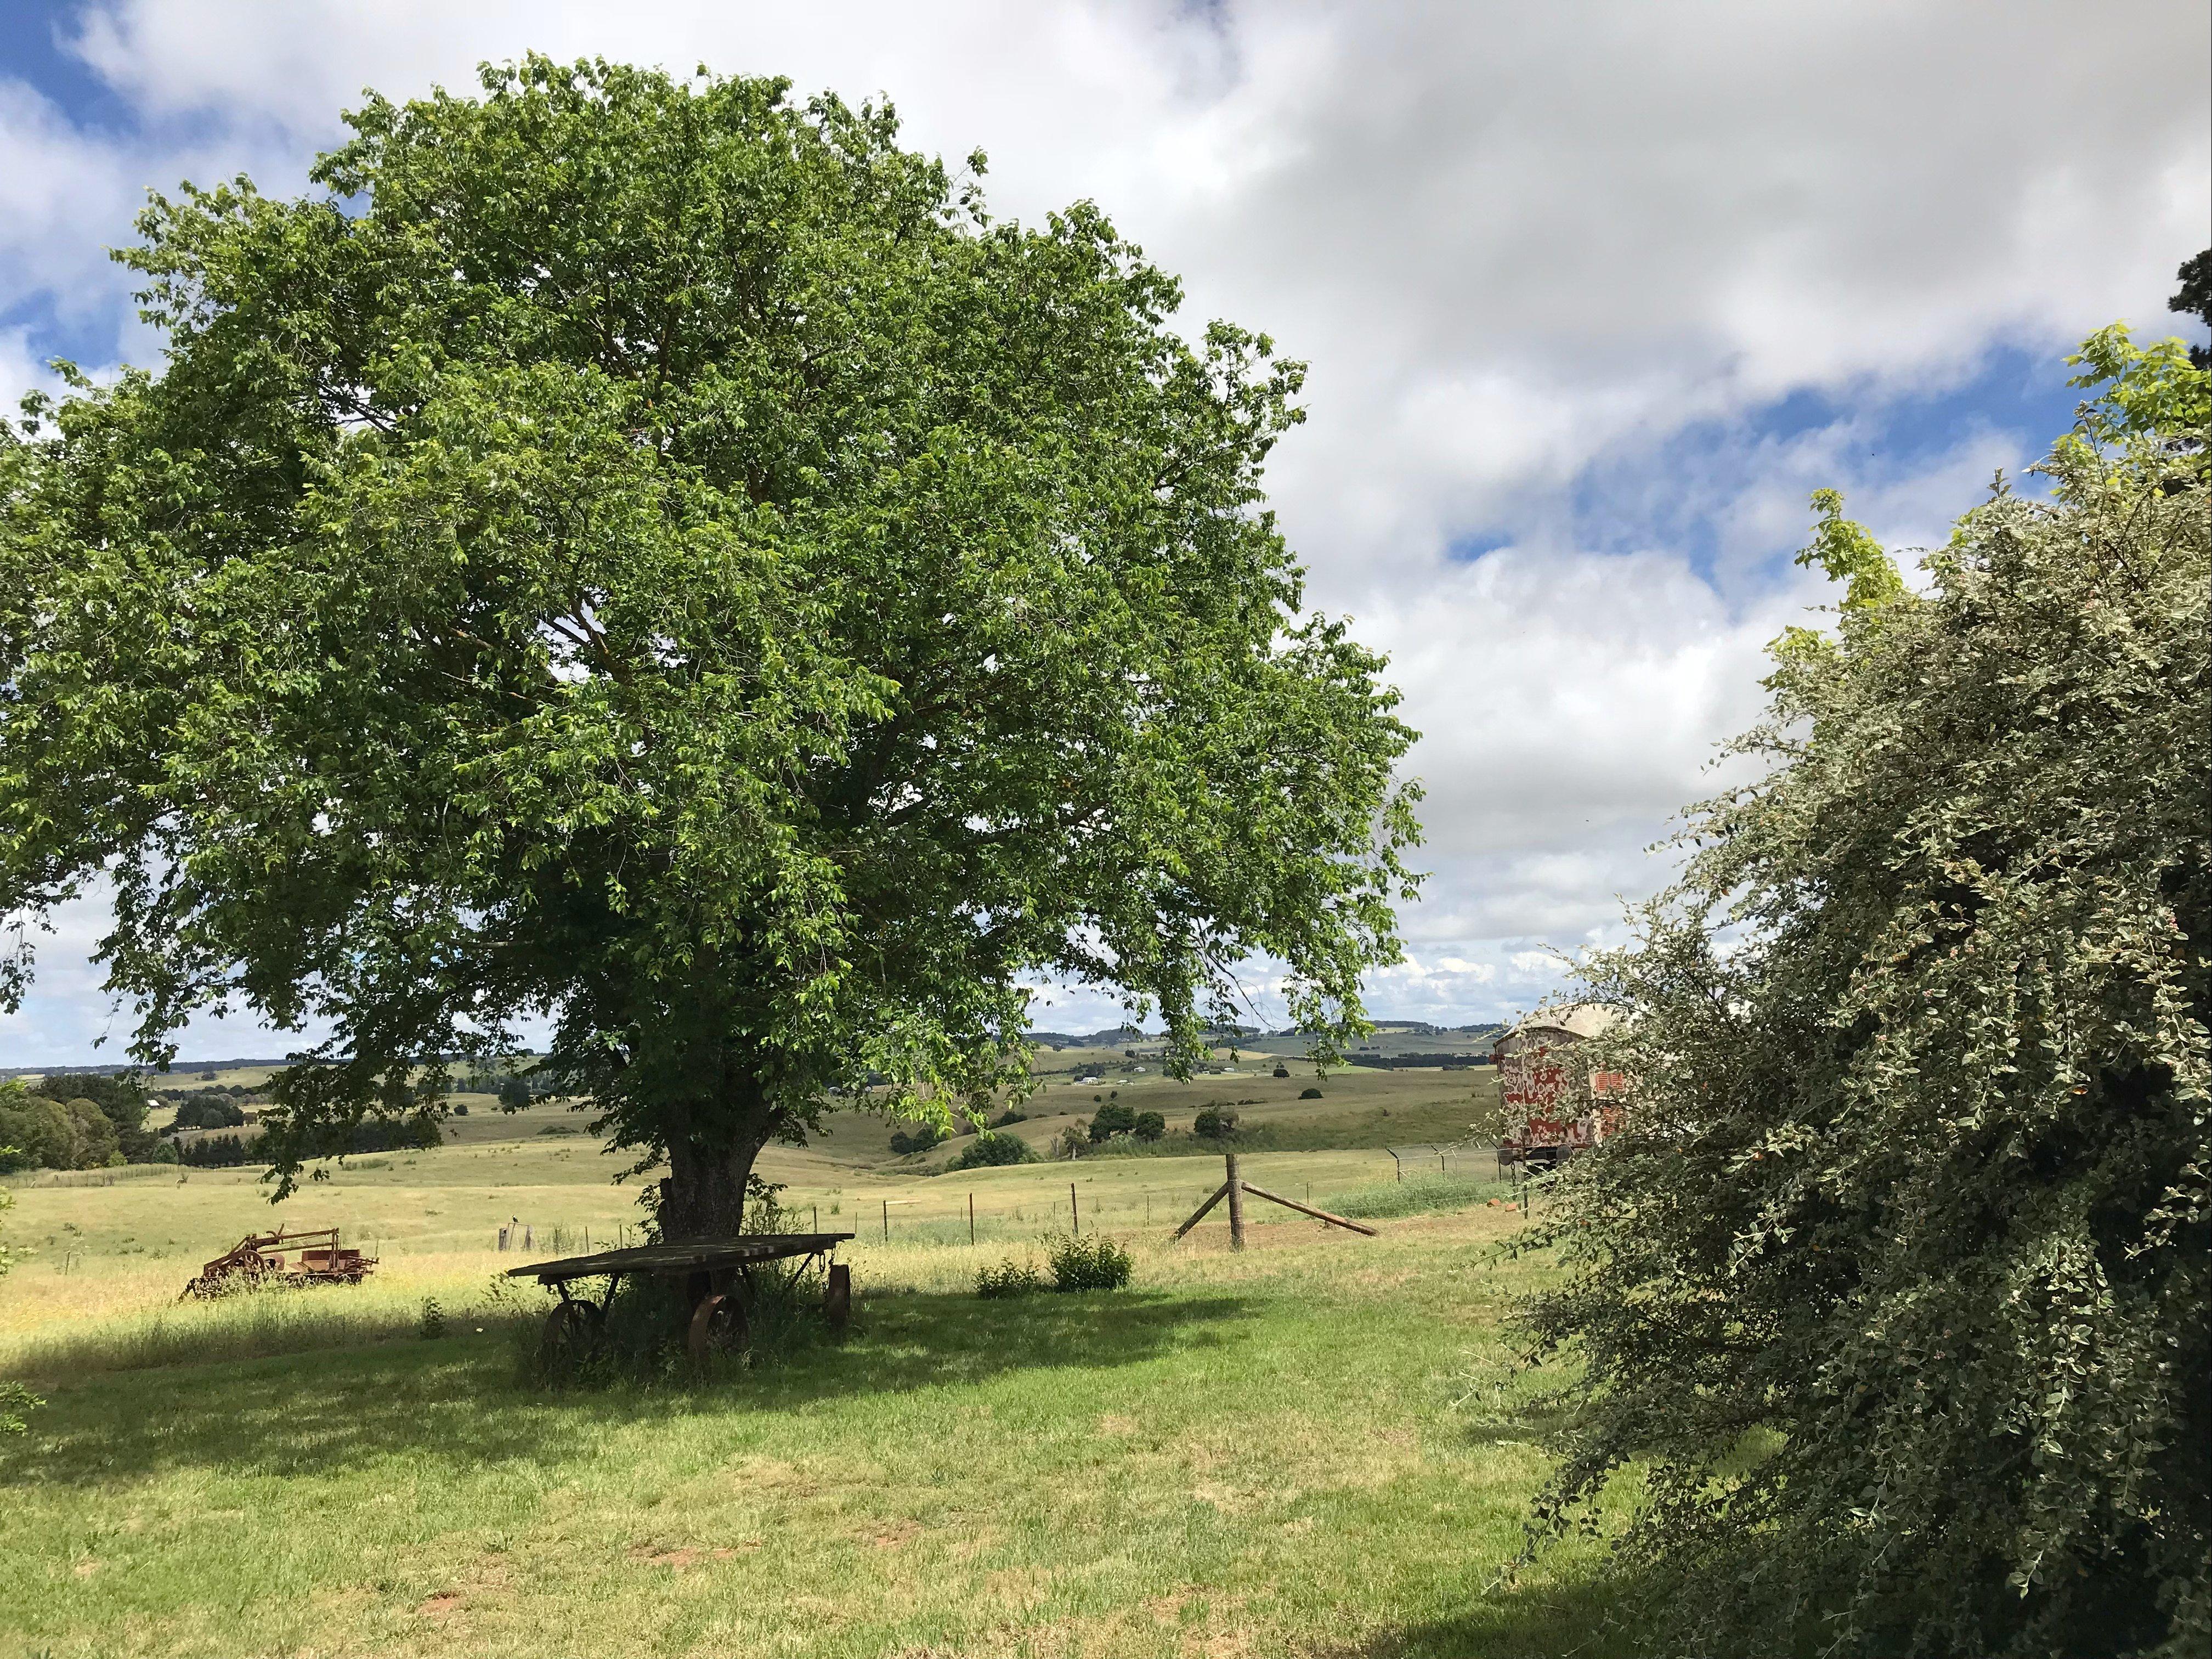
x: 572, y: 1330
x: 717, y: 1325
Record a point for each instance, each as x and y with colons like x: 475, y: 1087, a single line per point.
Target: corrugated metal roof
x: 1576, y: 1019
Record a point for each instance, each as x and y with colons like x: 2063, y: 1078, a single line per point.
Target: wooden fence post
x: 1235, y: 1205
x: 971, y: 1218
x: 1074, y: 1219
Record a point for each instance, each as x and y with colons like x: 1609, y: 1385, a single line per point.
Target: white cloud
x: 1531, y: 253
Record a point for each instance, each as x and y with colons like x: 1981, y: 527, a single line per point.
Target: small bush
x: 1097, y: 1263
x: 432, y: 1325
x: 992, y: 1149
x: 1282, y: 1071
x: 1005, y: 1279
x: 1149, y: 1125
x: 1010, y: 1116
x: 1308, y: 1094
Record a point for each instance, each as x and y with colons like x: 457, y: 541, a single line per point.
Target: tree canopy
x: 1894, y: 1281
x: 659, y: 557
x: 2194, y: 299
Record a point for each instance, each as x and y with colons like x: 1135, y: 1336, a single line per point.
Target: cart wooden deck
x: 711, y: 1271
x: 670, y: 1260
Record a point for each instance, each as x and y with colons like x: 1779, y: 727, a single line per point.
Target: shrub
x: 432, y: 1325
x: 1282, y: 1071
x: 1005, y: 1279
x: 1308, y: 1094
x: 1010, y: 1116
x: 992, y: 1150
x: 919, y: 1139
x: 1095, y: 1263
x: 1892, y: 1289
x: 1149, y: 1125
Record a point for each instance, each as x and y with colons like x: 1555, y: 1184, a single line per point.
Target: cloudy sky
x: 1593, y: 294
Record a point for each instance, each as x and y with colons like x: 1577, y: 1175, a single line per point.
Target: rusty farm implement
x: 309, y: 1256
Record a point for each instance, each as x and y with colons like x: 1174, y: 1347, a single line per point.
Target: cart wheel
x: 718, y: 1324
x: 572, y: 1330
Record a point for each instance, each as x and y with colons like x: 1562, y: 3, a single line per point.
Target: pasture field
x: 1280, y: 1451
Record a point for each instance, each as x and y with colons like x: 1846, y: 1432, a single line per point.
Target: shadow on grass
x: 457, y: 1399
x: 1590, y: 1616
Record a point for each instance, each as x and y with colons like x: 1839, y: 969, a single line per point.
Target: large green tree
x: 658, y: 557
x: 1895, y: 1283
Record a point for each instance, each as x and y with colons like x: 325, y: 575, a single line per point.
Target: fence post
x: 971, y: 1218
x: 1235, y: 1205
x: 887, y: 1221
x: 1074, y: 1220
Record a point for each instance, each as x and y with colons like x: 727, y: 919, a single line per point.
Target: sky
x: 1594, y: 294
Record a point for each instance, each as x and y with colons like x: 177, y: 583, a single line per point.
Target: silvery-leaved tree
x: 1894, y: 1286
x: 652, y: 555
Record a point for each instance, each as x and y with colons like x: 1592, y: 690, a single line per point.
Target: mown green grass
x: 1244, y: 1453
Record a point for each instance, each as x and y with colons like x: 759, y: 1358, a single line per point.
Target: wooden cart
x: 713, y: 1273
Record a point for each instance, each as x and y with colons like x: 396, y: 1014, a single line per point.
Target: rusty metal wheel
x: 717, y: 1325
x: 572, y: 1331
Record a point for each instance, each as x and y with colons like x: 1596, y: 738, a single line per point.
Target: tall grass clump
x: 249, y: 1324
x: 1416, y: 1195
x: 997, y: 1280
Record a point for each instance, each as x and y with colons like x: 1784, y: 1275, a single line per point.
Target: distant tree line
x: 208, y: 1114
x: 79, y: 1121
x: 213, y: 1153
x: 373, y: 1135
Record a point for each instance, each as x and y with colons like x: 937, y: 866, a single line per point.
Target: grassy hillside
x: 1255, y: 1454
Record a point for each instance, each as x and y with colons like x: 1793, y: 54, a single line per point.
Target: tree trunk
x: 703, y: 1195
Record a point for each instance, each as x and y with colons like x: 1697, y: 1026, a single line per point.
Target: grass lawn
x: 1243, y: 1454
